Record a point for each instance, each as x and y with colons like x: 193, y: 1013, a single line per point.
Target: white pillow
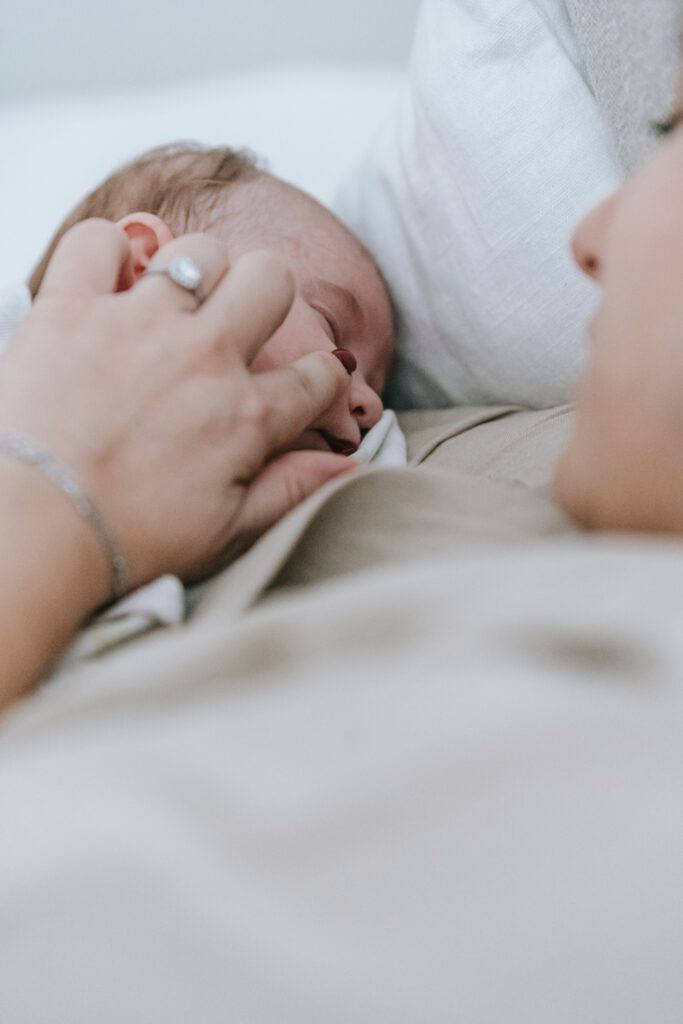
x: 312, y: 123
x: 469, y: 197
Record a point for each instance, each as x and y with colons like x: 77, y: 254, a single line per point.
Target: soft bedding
x: 518, y: 117
x: 445, y: 787
x: 468, y: 198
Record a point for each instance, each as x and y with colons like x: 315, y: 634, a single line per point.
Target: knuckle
x: 254, y: 411
x: 203, y: 241
x: 202, y: 247
x: 146, y: 312
x: 271, y: 266
x: 94, y: 229
x: 313, y: 396
x: 271, y: 272
x: 302, y: 386
x: 294, y: 490
x: 65, y: 309
x: 323, y: 378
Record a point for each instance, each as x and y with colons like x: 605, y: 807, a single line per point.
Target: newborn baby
x: 341, y: 301
x: 340, y: 304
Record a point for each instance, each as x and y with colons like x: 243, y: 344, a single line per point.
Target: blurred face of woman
x: 623, y: 467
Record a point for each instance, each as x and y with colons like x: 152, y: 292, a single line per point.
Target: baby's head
x: 340, y: 302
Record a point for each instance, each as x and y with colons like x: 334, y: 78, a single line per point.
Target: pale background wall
x: 87, y: 84
x: 99, y: 45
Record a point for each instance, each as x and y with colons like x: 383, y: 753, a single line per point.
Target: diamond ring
x: 185, y: 272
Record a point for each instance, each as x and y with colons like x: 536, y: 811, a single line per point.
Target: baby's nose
x: 365, y: 405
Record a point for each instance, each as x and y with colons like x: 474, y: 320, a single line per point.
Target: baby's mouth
x: 339, y: 445
x: 321, y: 441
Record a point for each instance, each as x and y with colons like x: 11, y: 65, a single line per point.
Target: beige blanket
x: 417, y: 757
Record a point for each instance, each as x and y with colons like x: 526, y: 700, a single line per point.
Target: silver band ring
x: 185, y: 272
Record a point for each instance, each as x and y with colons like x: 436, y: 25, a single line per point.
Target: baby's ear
x: 147, y: 234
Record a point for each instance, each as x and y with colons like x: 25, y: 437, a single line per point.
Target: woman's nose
x: 365, y: 404
x: 589, y: 241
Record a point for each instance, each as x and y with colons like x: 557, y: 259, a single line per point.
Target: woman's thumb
x: 284, y: 484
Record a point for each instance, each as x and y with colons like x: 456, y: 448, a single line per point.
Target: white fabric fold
x: 384, y: 445
x: 468, y: 198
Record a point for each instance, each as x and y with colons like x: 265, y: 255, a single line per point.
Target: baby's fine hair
x: 181, y: 183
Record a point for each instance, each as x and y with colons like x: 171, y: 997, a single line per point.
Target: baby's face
x: 340, y: 301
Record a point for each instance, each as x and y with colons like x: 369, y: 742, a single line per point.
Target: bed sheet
x: 442, y: 787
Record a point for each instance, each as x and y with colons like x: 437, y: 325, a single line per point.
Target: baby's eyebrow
x: 352, y: 307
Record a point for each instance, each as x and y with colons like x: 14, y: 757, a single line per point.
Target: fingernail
x: 347, y: 359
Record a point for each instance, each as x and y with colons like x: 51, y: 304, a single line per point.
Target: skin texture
x: 150, y: 402
x: 623, y: 467
x: 340, y: 300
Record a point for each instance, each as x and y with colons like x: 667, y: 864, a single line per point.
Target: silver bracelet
x: 31, y: 454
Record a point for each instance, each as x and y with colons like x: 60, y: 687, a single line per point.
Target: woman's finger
x: 249, y: 305
x: 203, y: 252
x: 88, y: 260
x: 298, y: 394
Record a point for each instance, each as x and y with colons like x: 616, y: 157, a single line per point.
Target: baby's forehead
x: 268, y: 211
x: 270, y: 214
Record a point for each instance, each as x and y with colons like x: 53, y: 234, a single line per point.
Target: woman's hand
x: 150, y: 403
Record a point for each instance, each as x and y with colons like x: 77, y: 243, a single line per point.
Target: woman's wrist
x: 45, y: 516
x: 22, y: 449
x: 54, y: 574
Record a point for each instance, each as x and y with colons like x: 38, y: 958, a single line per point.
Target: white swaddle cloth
x: 164, y: 601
